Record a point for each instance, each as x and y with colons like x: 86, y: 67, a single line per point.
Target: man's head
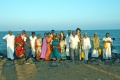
x: 33, y: 34
x: 26, y: 34
x: 73, y: 33
x: 69, y: 32
x: 52, y: 32
x: 107, y: 35
x: 85, y: 35
x: 10, y: 32
x: 38, y: 36
x: 49, y: 34
x: 78, y: 30
x: 45, y: 34
x: 23, y: 32
x: 95, y: 34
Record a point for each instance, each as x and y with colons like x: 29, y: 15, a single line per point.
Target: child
x: 38, y: 44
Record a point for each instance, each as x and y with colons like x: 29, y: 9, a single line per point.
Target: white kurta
x: 67, y: 45
x: 32, y: 41
x: 86, y: 47
x: 74, y: 42
x: 10, y: 45
x: 107, y: 51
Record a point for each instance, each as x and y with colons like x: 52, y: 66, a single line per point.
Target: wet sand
x: 63, y: 70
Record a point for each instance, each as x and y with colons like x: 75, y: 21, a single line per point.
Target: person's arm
x: 41, y: 42
x: 109, y: 41
x: 4, y: 38
x: 89, y: 43
x: 15, y: 42
x: 65, y: 42
x: 35, y: 44
x: 99, y: 40
x: 91, y: 38
x: 79, y: 42
x: 104, y: 41
x: 99, y: 43
x: 79, y: 45
x: 69, y: 42
x: 28, y: 44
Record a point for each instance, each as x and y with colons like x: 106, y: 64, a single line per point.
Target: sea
x: 101, y: 34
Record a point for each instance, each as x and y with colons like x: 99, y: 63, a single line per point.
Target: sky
x: 59, y: 14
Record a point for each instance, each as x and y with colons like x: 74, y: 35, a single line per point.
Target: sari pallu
x: 27, y: 48
x: 19, y: 46
x: 44, y: 48
x: 48, y: 51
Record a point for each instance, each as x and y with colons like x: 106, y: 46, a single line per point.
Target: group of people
x: 57, y: 46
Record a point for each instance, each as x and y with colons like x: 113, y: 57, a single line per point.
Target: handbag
x: 82, y: 54
x: 99, y: 51
x: 104, y: 46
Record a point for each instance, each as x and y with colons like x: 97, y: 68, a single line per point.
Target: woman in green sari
x: 55, y: 54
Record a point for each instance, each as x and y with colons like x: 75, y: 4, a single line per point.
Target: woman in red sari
x: 19, y: 46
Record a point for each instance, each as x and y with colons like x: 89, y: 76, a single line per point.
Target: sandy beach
x: 62, y: 70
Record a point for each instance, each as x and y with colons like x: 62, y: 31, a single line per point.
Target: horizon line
x: 61, y: 30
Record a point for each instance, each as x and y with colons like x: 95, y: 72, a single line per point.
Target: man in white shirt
x: 86, y: 46
x: 107, y: 51
x: 32, y: 41
x: 78, y: 33
x: 9, y: 38
x: 74, y: 46
x: 67, y: 44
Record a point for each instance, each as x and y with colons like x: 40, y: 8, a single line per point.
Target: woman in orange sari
x: 48, y: 40
x: 19, y: 46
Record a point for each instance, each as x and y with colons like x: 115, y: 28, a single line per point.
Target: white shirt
x: 86, y: 43
x: 74, y: 42
x: 32, y: 41
x: 108, y: 39
x: 10, y: 40
x: 67, y: 40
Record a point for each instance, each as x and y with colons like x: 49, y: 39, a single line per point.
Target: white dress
x: 32, y: 41
x: 10, y: 45
x: 107, y: 51
x: 86, y: 46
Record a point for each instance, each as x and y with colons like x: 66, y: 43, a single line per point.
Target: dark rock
x: 54, y: 64
x: 20, y: 61
x: 7, y: 64
x: 2, y: 55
